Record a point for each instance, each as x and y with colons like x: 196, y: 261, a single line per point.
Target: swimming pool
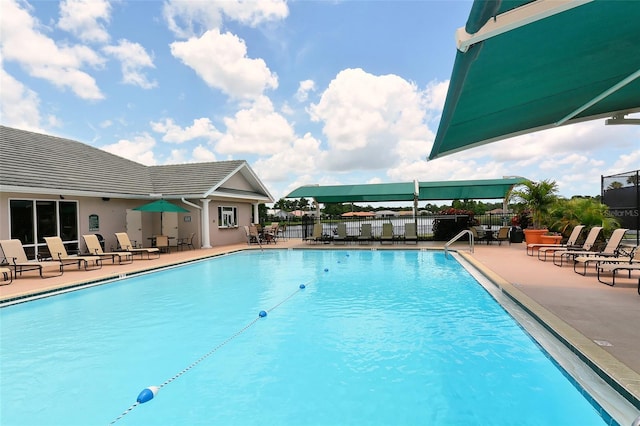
x: 375, y: 337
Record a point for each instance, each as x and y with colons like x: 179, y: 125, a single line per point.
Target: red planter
x: 534, y: 236
x: 551, y: 239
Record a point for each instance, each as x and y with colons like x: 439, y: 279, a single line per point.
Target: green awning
x: 356, y: 193
x: 537, y: 65
x: 488, y: 189
x: 445, y: 190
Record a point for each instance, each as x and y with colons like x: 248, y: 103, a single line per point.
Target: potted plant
x: 537, y: 197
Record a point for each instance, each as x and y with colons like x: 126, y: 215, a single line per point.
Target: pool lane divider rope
x: 149, y: 392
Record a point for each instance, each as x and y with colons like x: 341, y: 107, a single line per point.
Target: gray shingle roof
x: 35, y: 162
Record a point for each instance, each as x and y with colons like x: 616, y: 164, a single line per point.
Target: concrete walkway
x: 601, y: 321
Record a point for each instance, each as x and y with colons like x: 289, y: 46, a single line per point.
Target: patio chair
x: 125, y: 245
x: 387, y: 233
x: 410, y: 234
x: 269, y: 233
x: 17, y: 259
x: 503, y: 235
x: 162, y: 243
x: 317, y: 235
x: 252, y: 235
x: 550, y: 248
x: 7, y: 275
x: 479, y: 234
x: 587, y: 246
x: 612, y: 250
x: 95, y: 249
x: 186, y: 242
x: 365, y: 233
x: 59, y: 253
x: 341, y: 234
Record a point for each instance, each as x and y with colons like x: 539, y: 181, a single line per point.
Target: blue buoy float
x: 302, y: 286
x: 147, y: 394
x: 326, y: 269
x: 262, y: 314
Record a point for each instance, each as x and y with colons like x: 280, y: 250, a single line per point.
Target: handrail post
x: 456, y: 238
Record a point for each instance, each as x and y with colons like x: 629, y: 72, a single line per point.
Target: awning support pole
x: 600, y: 97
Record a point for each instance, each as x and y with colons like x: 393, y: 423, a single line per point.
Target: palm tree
x: 538, y: 197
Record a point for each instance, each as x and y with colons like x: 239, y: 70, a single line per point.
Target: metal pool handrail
x: 456, y: 238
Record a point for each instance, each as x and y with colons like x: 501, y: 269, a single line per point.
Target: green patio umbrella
x: 161, y: 206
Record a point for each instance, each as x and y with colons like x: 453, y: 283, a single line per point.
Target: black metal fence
x: 303, y: 227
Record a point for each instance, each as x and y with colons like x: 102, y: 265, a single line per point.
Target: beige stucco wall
x: 112, y: 218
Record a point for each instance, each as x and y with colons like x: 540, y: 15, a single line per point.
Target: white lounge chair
x: 550, y: 248
x: 95, y: 249
x: 17, y: 258
x: 59, y: 252
x: 125, y: 245
x: 611, y: 251
x: 573, y: 252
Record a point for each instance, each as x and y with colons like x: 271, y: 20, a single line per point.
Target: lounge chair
x: 365, y: 233
x: 611, y: 251
x: 317, y: 235
x: 95, y: 249
x: 7, y: 275
x: 125, y: 245
x: 503, y: 235
x: 341, y: 234
x: 613, y: 266
x: 387, y: 233
x: 410, y: 234
x: 186, y: 242
x: 59, y: 253
x: 17, y: 259
x: 586, y: 247
x: 550, y: 248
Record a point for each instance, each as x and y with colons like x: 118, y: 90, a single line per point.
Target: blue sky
x: 308, y: 92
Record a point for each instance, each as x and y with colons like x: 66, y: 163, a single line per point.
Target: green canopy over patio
x: 523, y: 66
x: 445, y: 190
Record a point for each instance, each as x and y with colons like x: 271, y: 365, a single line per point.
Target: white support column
x: 206, y: 240
x: 256, y: 213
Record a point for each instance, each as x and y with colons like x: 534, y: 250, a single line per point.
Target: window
x: 227, y: 217
x: 43, y: 218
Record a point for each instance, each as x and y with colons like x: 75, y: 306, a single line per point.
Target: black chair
x: 186, y: 242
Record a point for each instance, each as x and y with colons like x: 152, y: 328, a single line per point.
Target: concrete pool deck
x: 601, y: 322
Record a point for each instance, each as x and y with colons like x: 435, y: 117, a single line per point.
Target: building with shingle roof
x: 55, y: 186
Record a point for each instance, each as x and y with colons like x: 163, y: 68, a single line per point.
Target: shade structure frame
x: 577, y: 65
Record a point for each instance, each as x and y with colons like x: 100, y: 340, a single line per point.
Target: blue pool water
x: 378, y: 338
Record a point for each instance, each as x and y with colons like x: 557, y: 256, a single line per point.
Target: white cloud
x: 368, y: 118
x: 304, y: 88
x: 140, y: 149
x: 84, y: 19
x: 133, y: 58
x: 256, y: 130
x: 201, y: 128
x: 41, y: 57
x: 303, y: 154
x: 189, y: 18
x: 221, y: 61
x: 19, y: 106
x: 203, y: 155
